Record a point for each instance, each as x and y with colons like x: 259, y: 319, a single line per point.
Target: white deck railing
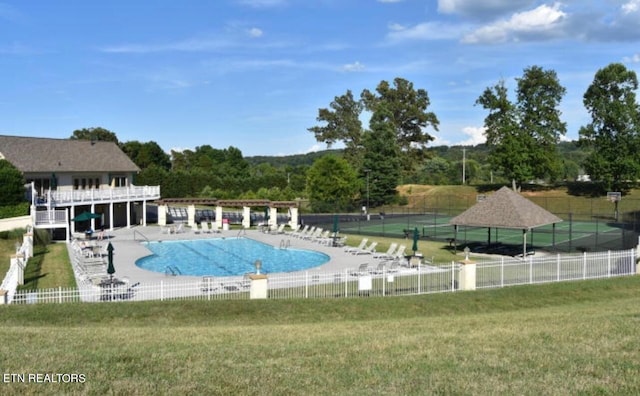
x: 51, y: 217
x: 115, y: 194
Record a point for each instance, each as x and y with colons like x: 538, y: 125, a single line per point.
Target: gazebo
x: 505, y: 209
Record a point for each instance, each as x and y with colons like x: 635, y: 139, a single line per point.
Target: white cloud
x: 424, y: 31
x: 542, y: 21
x: 255, y: 32
x: 475, y: 134
x: 481, y: 8
x: 631, y: 6
x: 635, y: 58
x: 353, y: 67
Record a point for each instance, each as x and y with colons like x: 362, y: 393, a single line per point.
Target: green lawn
x: 570, y: 338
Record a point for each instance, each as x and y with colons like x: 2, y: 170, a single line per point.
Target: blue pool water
x: 226, y: 257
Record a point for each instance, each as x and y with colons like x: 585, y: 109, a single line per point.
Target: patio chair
x: 361, y: 246
x: 371, y: 249
x: 388, y: 254
x: 363, y: 269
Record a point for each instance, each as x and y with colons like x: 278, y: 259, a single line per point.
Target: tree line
x: 524, y: 142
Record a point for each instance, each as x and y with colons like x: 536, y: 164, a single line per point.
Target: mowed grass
x: 569, y: 338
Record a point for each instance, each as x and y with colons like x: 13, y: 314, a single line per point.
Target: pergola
x: 505, y: 209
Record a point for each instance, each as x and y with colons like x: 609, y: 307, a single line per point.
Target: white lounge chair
x: 371, y: 249
x: 361, y: 246
x: 388, y: 254
x: 363, y: 269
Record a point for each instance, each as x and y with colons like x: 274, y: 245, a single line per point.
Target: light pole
x: 367, y: 211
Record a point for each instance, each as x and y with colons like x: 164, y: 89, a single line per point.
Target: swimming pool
x: 226, y: 257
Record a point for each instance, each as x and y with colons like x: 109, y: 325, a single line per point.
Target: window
x: 119, y: 181
x: 83, y: 183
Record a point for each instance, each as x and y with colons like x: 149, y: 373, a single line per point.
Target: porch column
x: 93, y: 221
x: 246, y: 217
x: 73, y: 223
x: 111, y: 216
x: 162, y: 215
x: 191, y: 215
x: 293, y: 223
x: 219, y: 217
x: 273, y: 218
x: 128, y: 214
x: 144, y: 213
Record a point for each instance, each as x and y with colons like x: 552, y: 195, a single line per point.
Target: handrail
x: 172, y: 270
x: 242, y: 231
x: 141, y: 234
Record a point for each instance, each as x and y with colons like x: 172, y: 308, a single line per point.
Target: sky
x: 252, y: 74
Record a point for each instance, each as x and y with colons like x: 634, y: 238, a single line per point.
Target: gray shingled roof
x: 30, y: 154
x: 505, y: 209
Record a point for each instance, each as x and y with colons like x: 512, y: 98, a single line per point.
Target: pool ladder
x: 285, y: 244
x: 172, y: 270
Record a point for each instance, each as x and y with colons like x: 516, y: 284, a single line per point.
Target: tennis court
x: 566, y: 235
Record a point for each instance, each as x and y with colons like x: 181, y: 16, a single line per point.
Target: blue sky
x: 253, y: 73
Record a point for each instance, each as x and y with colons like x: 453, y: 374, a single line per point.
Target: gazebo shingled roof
x: 505, y: 209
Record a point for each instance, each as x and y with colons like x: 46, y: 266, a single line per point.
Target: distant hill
x: 480, y: 152
x: 290, y: 160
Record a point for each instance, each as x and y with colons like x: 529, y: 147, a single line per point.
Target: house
x: 68, y: 177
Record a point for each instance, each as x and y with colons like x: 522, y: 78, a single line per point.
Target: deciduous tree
x: 342, y: 124
x: 613, y: 135
x: 97, y: 133
x: 523, y: 136
x: 331, y: 184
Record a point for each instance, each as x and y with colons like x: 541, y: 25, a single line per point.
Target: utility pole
x: 464, y: 165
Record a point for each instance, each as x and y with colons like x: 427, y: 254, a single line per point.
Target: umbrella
x: 335, y: 224
x: 416, y: 236
x: 266, y: 213
x: 110, y: 268
x: 84, y: 216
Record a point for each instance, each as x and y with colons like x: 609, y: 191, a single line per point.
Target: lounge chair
x: 213, y: 228
x: 388, y: 254
x: 294, y: 230
x: 371, y: 249
x: 206, y: 227
x: 363, y: 269
x: 300, y: 232
x: 279, y: 230
x: 399, y: 254
x: 361, y: 246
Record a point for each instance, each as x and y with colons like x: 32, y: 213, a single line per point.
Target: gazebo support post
x: 524, y: 244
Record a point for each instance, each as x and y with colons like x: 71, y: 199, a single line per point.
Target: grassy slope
x: 553, y: 339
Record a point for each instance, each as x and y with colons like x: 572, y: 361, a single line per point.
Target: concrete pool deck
x: 128, y: 249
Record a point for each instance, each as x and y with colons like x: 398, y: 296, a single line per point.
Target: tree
x: 613, y: 134
x: 342, y: 124
x: 11, y: 184
x: 539, y: 94
x: 331, y: 184
x: 97, y: 133
x: 146, y: 154
x: 508, y: 151
x: 381, y: 162
x: 523, y: 137
x: 409, y: 116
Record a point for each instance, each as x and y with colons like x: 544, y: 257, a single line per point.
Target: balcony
x: 97, y: 196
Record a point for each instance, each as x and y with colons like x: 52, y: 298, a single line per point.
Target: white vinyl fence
x: 356, y: 282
